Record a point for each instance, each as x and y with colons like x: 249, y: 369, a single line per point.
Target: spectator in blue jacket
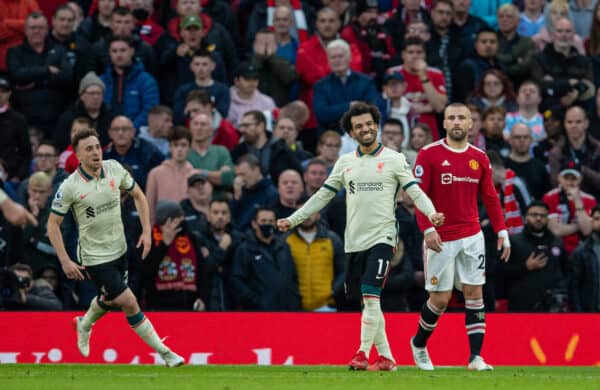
x: 486, y: 10
x: 334, y: 93
x: 130, y: 90
x: 137, y: 153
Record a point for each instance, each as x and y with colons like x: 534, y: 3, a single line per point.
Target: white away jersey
x: 372, y: 183
x: 96, y: 206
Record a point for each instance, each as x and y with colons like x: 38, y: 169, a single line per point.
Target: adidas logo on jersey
x: 445, y: 163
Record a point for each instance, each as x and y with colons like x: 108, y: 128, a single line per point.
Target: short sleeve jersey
x: 96, y: 206
x: 372, y: 183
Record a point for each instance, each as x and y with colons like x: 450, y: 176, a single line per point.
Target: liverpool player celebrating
x: 371, y: 176
x: 453, y: 173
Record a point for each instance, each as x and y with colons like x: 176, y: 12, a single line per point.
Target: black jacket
x: 49, y: 96
x: 100, y: 59
x: 15, y: 149
x: 552, y: 63
x: 264, y: 276
x: 584, y: 278
x: 174, y: 299
x: 78, y: 50
x: 275, y: 157
x: 92, y: 30
x: 218, y: 265
x: 527, y: 290
x: 62, y: 135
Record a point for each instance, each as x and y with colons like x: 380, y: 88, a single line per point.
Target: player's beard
x: 367, y: 144
x: 454, y: 136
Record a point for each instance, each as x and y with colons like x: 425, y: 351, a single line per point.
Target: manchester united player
x: 453, y: 173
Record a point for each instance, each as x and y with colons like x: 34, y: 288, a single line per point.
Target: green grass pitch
x: 146, y: 377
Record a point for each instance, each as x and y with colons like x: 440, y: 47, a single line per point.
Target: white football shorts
x: 460, y: 262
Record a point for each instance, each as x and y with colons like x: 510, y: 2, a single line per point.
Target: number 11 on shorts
x: 380, y: 271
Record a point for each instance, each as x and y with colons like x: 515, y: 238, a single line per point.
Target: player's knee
x: 440, y: 300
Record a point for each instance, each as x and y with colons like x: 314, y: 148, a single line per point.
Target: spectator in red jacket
x: 12, y: 24
x: 376, y: 47
x: 311, y: 59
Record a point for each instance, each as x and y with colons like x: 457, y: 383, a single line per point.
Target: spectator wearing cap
x: 565, y: 75
x: 580, y: 147
x: 584, y: 294
x: 397, y: 106
x: 195, y: 205
x: 219, y: 29
x: 63, y: 34
x: 537, y: 264
x: 276, y: 75
x: 334, y: 93
x: 245, y: 95
x: 41, y: 75
x: 273, y: 153
x: 515, y: 51
x: 90, y: 105
x: 202, y: 66
x: 553, y: 126
x: 12, y: 24
x: 201, y: 102
x: 15, y: 149
x: 365, y: 31
x: 130, y: 90
x: 178, y: 64
x: 570, y: 207
x: 122, y: 23
x: 214, y: 161
x: 175, y: 273
x: 425, y: 86
x: 168, y: 180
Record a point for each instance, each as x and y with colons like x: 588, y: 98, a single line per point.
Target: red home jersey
x: 453, y: 179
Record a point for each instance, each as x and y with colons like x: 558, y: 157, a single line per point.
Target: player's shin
x: 381, y: 340
x: 475, y: 323
x: 96, y: 310
x: 143, y: 327
x: 427, y: 323
x: 371, y: 316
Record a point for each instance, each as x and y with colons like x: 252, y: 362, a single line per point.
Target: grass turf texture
x: 147, y: 377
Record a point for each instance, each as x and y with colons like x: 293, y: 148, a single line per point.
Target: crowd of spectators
x: 227, y: 115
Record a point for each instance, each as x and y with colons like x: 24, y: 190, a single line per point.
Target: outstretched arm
x: 141, y: 205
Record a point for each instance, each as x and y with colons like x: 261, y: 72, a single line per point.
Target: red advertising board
x: 298, y: 338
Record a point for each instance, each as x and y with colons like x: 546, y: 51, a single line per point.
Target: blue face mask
x: 267, y: 230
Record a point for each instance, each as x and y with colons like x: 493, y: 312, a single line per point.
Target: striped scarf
x: 512, y: 213
x: 299, y: 18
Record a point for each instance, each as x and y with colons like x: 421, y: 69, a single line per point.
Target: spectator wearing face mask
x: 263, y: 274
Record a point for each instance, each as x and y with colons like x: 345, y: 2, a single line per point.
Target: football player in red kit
x: 453, y: 174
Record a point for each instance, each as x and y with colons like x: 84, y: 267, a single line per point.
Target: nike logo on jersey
x: 445, y: 163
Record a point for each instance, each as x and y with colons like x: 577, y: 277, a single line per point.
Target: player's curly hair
x: 356, y: 110
x: 83, y: 134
